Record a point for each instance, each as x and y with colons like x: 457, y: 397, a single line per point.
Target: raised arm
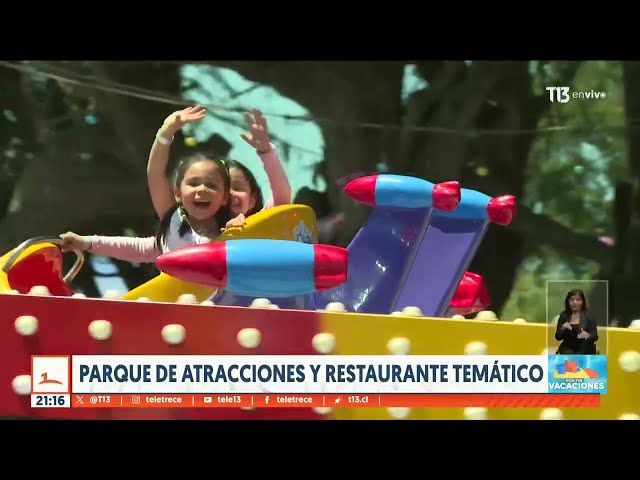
x: 259, y: 139
x: 160, y: 189
x: 280, y: 188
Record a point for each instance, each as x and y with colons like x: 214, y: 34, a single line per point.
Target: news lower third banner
x: 362, y: 380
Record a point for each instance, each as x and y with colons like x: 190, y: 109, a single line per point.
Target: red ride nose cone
x: 467, y: 291
x: 471, y: 296
x: 362, y: 189
x: 330, y: 266
x: 446, y: 196
x: 202, y: 264
x: 502, y: 210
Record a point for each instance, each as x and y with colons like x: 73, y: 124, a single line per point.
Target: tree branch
x: 546, y: 231
x: 306, y: 82
x: 419, y: 105
x: 126, y: 119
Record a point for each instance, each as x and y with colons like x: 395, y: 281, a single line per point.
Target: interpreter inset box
x: 578, y: 317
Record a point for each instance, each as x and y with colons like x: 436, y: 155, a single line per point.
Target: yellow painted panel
x: 369, y: 334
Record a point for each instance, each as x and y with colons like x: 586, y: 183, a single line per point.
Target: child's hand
x: 71, y: 241
x: 239, y: 221
x: 259, y: 136
x: 180, y: 118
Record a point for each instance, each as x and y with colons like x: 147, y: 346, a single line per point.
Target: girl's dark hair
x: 253, y: 184
x: 224, y: 213
x: 572, y: 293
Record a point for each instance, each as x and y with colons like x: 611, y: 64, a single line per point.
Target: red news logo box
x: 51, y: 374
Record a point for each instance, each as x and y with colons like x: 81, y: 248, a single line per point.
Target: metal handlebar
x: 34, y: 241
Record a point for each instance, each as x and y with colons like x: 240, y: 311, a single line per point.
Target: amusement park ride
x: 400, y: 281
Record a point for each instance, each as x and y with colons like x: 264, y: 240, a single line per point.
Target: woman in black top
x: 577, y: 327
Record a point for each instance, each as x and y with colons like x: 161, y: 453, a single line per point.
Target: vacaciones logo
x: 578, y: 374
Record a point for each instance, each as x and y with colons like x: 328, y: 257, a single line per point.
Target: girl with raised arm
x: 192, y: 208
x: 206, y: 196
x: 246, y: 195
x: 200, y: 209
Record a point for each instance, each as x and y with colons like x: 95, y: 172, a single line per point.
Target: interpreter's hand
x: 174, y: 122
x: 583, y: 335
x: 566, y: 325
x: 258, y: 137
x: 239, y: 221
x: 71, y: 241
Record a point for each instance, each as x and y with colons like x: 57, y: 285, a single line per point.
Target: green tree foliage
x: 573, y: 167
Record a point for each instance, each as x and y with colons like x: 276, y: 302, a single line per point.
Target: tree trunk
x: 625, y: 284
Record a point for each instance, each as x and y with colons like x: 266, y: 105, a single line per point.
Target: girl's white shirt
x: 172, y: 239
